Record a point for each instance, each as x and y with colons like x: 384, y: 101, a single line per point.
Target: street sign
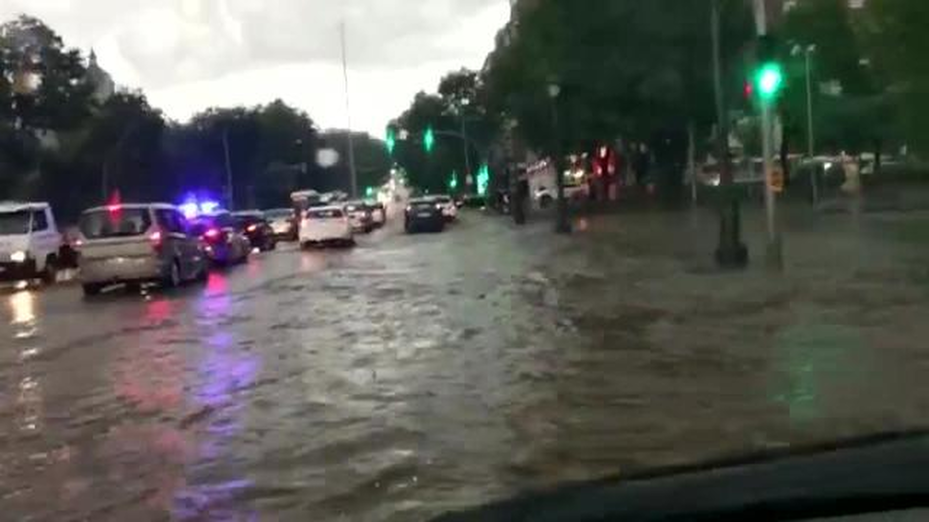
x: 776, y: 179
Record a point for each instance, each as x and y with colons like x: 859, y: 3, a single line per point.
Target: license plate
x: 424, y: 214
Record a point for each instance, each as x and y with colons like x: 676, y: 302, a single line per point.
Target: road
x: 417, y: 374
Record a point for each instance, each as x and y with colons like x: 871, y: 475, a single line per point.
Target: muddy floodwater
x: 414, y: 375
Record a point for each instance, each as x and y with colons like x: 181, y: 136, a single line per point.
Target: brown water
x: 420, y: 374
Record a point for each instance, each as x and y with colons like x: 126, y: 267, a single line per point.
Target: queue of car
x: 136, y: 244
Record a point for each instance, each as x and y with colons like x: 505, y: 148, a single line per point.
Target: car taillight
x: 212, y: 235
x: 156, y: 239
x: 252, y: 228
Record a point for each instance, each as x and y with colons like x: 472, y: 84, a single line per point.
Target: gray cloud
x: 173, y: 41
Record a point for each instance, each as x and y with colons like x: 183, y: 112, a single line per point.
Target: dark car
x: 283, y: 223
x: 424, y: 215
x: 256, y: 229
x: 360, y: 216
x: 225, y: 243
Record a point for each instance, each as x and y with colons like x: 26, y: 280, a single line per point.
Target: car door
x: 45, y: 238
x: 188, y: 245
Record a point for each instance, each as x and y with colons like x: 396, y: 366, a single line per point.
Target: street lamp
x: 462, y: 105
x: 810, y: 131
x: 562, y: 226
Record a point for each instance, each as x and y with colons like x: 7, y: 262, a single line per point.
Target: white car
x: 326, y: 225
x: 29, y: 242
x: 449, y: 208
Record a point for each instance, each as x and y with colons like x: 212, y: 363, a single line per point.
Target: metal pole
x: 692, y: 163
x: 348, y: 110
x: 731, y: 252
x: 230, y: 190
x: 809, y: 124
x: 562, y: 226
x: 767, y: 140
x: 467, y: 156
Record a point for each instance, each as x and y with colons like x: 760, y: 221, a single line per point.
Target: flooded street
x: 420, y: 374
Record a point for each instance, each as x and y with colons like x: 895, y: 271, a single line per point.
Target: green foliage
x: 636, y: 69
x: 894, y: 32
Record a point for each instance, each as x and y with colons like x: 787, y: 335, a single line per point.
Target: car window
x: 39, y: 221
x: 325, y: 214
x: 279, y: 214
x: 170, y: 221
x: 118, y: 222
x: 14, y: 223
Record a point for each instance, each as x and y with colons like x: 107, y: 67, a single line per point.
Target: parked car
x: 226, y: 243
x: 359, y: 214
x: 283, y: 223
x: 29, y: 242
x: 256, y: 228
x: 136, y: 244
x: 449, y: 208
x: 424, y: 214
x: 378, y: 213
x: 326, y: 225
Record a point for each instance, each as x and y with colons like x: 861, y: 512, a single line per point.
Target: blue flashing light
x: 190, y: 209
x: 208, y: 207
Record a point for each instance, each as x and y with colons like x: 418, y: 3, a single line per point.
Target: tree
x: 45, y: 85
x: 894, y: 35
x: 372, y: 162
x: 638, y: 69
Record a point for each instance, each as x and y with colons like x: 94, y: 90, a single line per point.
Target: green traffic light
x: 429, y: 139
x: 483, y: 180
x: 391, y: 140
x: 453, y: 181
x: 769, y: 79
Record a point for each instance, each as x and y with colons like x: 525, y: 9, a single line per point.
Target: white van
x: 29, y: 242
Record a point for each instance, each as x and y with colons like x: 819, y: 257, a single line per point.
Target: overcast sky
x: 191, y: 54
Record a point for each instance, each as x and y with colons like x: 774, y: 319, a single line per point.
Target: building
x: 103, y: 84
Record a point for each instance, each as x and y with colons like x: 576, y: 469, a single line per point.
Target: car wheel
x: 91, y: 289
x: 173, y: 278
x: 50, y: 274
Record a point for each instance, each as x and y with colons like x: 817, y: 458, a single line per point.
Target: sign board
x: 776, y: 179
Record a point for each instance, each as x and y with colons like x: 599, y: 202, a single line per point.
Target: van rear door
x: 118, y: 232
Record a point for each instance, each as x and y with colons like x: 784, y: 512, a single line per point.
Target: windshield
x: 15, y: 223
x: 503, y: 246
x: 325, y: 214
x: 122, y: 222
x: 279, y: 214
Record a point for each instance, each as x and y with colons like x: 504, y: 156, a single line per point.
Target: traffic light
x: 483, y: 180
x: 769, y: 79
x: 429, y: 139
x: 391, y: 140
x: 453, y: 181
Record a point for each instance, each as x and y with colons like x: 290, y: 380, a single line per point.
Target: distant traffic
x: 140, y: 244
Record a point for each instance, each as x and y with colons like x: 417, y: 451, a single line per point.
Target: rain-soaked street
x: 418, y: 374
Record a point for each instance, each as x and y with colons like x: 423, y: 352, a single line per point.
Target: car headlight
x: 19, y: 256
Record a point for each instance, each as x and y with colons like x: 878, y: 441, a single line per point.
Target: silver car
x: 138, y: 244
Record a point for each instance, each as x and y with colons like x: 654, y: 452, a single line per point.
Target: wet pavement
x: 418, y: 374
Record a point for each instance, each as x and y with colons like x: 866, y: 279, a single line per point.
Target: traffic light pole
x: 767, y: 142
x: 774, y: 257
x: 731, y: 252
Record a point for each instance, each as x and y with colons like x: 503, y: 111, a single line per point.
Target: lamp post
x: 810, y: 130
x: 562, y: 226
x: 464, y: 135
x: 731, y: 252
